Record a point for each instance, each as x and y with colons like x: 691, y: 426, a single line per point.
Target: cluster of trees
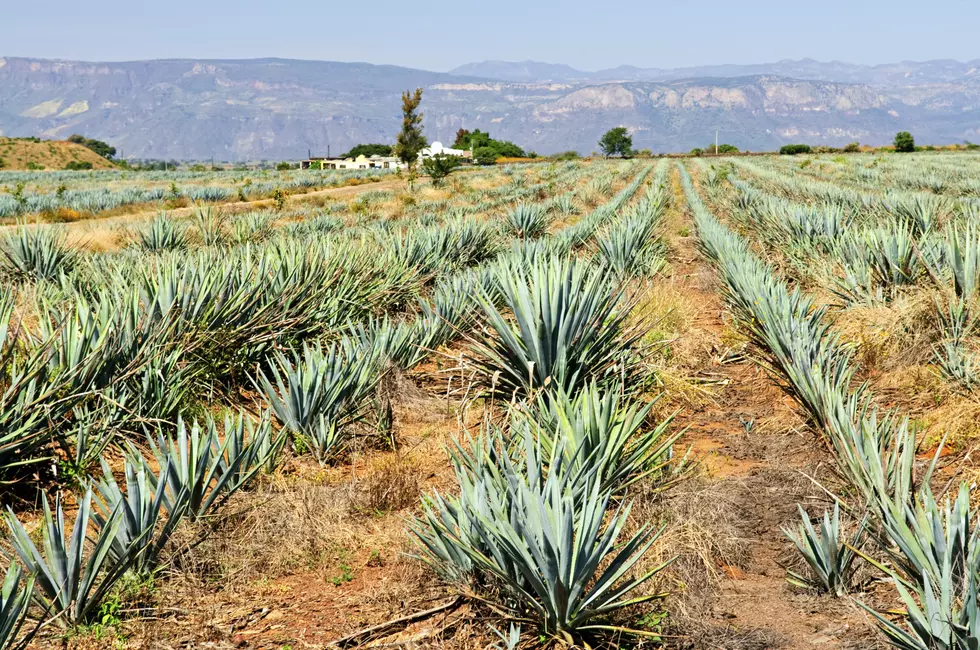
x: 99, y: 147
x: 78, y: 165
x: 368, y: 150
x: 485, y: 149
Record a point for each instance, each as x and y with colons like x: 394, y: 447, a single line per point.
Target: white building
x: 436, y: 149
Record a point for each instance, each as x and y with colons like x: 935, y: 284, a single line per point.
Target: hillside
x: 279, y: 109
x: 16, y: 153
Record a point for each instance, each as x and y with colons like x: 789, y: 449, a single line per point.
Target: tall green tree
x: 616, y: 141
x: 904, y: 142
x: 411, y: 141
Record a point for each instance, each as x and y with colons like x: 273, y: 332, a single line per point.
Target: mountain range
x: 281, y: 109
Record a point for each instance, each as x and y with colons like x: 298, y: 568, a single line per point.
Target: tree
x: 904, y: 142
x: 411, y: 141
x: 439, y: 166
x: 97, y: 146
x: 485, y: 156
x: 616, y: 141
x: 722, y: 148
x: 462, y: 139
x: 368, y: 150
x: 793, y: 149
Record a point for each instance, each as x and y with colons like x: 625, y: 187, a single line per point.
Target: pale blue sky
x: 439, y: 35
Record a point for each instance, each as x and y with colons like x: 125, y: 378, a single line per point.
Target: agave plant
x: 71, y: 581
x: 206, y: 468
x: 162, y: 235
x: 527, y: 220
x: 555, y: 548
x: 569, y: 329
x: 595, y: 429
x: 38, y: 253
x: 317, y: 390
x: 211, y: 224
x: 936, y: 620
x: 14, y: 600
x: 933, y: 544
x: 628, y: 248
x: 141, y: 508
x: 829, y: 558
x: 565, y: 205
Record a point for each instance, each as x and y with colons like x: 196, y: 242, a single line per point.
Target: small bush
x: 794, y: 149
x: 78, y: 165
x: 697, y: 151
x: 853, y: 147
x: 33, y: 166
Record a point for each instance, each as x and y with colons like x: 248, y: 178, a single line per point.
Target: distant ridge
x: 275, y: 109
x: 913, y: 72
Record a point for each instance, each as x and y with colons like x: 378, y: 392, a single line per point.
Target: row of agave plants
x: 94, y: 196
x: 927, y: 548
x: 122, y: 364
x: 949, y: 174
x: 874, y: 255
x: 538, y: 528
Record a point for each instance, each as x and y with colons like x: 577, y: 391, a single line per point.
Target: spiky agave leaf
x: 141, y: 508
x: 207, y: 469
x: 37, y: 253
x: 556, y: 549
x: 830, y: 559
x: 527, y: 220
x: 569, y: 328
x: 629, y: 249
x: 601, y: 429
x: 161, y: 235
x: 938, y: 554
x: 319, y: 387
x: 14, y: 600
x: 71, y: 581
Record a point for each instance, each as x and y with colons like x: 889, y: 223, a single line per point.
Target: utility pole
x: 716, y: 142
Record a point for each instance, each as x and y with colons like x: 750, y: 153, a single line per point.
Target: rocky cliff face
x: 271, y: 109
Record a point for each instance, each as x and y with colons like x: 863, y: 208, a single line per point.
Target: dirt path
x: 756, y: 453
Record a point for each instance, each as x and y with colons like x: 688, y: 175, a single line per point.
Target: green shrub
x: 485, y: 156
x: 33, y: 166
x: 904, y: 142
x: 794, y: 149
x: 853, y: 147
x: 697, y: 151
x: 78, y: 165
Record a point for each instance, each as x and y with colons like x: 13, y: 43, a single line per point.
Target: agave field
x: 499, y: 413
x: 68, y: 196
x: 854, y: 279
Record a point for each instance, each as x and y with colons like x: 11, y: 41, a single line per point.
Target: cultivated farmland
x: 710, y: 403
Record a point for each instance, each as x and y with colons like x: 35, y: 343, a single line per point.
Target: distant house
x: 361, y: 162
x: 436, y: 149
x: 381, y: 162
